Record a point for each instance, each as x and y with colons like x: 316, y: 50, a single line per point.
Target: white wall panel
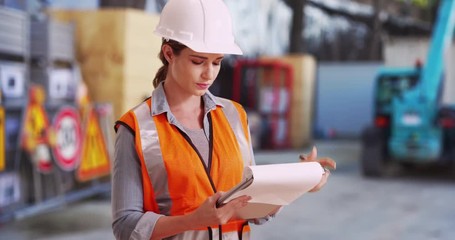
x: 399, y: 52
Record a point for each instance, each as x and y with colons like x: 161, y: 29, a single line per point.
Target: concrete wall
x: 344, y: 98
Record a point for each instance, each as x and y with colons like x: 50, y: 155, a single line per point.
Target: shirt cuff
x: 260, y: 221
x: 145, y: 226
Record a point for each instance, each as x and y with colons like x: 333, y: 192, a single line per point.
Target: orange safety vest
x: 174, y: 176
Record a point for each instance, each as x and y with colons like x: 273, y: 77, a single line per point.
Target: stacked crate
x: 14, y: 52
x: 53, y: 67
x: 53, y: 62
x: 43, y: 139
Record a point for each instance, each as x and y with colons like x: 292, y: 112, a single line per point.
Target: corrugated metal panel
x: 13, y: 32
x: 52, y: 41
x: 62, y: 41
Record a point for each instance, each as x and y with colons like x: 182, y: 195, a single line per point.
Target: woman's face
x: 193, y: 72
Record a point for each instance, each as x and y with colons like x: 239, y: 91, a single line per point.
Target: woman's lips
x: 203, y: 85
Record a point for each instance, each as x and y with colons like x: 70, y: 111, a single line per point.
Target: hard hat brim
x: 201, y: 47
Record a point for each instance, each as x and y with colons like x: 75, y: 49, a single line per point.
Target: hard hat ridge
x: 202, y: 25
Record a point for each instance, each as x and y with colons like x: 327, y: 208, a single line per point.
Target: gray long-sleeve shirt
x: 129, y: 218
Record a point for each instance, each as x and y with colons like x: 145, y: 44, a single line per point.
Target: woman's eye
x: 217, y: 63
x: 196, y: 62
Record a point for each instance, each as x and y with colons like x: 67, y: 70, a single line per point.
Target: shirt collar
x: 160, y: 104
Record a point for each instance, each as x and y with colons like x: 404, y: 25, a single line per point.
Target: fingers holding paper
x: 229, y: 209
x: 313, y: 157
x: 209, y: 214
x: 326, y: 163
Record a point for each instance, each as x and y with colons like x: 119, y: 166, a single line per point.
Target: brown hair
x: 162, y: 72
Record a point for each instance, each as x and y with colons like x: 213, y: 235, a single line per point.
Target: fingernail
x: 314, y: 150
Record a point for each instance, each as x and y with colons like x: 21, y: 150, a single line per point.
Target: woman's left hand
x: 326, y: 163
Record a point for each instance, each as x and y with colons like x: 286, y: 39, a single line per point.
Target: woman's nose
x: 208, y: 72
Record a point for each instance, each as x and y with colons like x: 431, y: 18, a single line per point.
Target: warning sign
x: 35, y: 140
x: 68, y: 138
x: 95, y: 158
x: 2, y: 139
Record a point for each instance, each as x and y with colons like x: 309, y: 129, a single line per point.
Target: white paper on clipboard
x: 275, y: 185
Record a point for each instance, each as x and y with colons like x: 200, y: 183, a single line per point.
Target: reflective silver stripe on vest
x: 153, y: 157
x: 233, y: 117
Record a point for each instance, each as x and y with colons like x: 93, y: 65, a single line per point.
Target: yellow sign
x: 35, y: 139
x: 95, y: 158
x: 2, y: 139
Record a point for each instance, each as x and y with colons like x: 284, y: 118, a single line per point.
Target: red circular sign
x: 68, y: 138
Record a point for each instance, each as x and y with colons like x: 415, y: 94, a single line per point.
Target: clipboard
x: 242, y: 185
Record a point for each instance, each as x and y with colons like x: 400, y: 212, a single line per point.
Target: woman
x: 180, y: 149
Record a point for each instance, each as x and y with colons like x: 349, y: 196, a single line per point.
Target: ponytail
x: 162, y: 72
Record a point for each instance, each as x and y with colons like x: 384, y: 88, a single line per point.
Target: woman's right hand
x: 205, y: 215
x: 208, y: 214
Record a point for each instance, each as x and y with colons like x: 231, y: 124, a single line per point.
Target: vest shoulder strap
x: 128, y: 119
x: 233, y: 108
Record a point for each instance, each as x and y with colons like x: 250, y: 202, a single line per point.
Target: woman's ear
x: 167, y: 52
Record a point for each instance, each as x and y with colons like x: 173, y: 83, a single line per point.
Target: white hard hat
x: 203, y: 25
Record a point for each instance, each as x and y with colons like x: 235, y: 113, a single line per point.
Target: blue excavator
x: 411, y: 125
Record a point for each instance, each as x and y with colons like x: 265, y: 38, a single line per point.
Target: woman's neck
x: 178, y: 99
x: 187, y: 108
